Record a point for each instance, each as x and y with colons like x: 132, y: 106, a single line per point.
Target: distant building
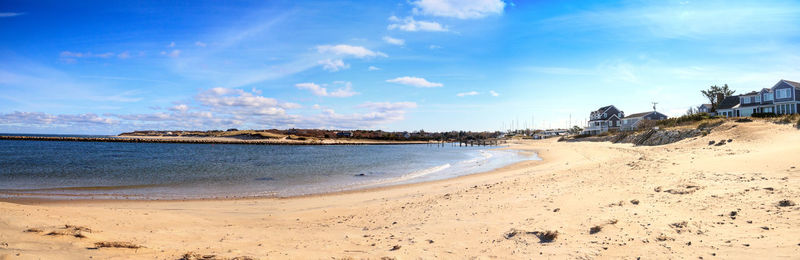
x: 704, y: 108
x: 631, y: 122
x: 344, y: 134
x: 604, y: 119
x: 782, y: 99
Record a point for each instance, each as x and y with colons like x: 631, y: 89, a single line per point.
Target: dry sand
x: 682, y: 200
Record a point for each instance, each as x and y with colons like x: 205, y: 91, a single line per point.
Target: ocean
x: 98, y: 170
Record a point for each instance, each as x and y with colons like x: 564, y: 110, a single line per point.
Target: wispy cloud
x: 411, y: 25
x: 493, y: 93
x: 333, y: 65
x: 172, y: 54
x: 415, y: 81
x: 317, y: 90
x: 373, y: 68
x: 461, y: 9
x: 464, y: 94
x: 695, y: 20
x: 393, y: 41
x: 38, y: 118
x: 350, y: 50
x: 200, y: 44
x: 10, y: 14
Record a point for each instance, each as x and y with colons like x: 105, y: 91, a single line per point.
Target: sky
x: 105, y: 67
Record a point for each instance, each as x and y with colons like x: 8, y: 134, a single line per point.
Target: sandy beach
x: 683, y: 200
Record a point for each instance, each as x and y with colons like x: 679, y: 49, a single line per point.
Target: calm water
x: 150, y: 170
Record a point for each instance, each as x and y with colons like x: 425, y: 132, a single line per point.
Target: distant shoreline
x: 209, y: 140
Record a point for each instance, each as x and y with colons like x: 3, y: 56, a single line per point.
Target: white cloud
x: 415, y: 81
x: 433, y: 47
x: 494, y: 94
x: 411, y: 25
x: 346, y: 91
x: 388, y: 106
x: 461, y: 9
x: 333, y: 65
x: 373, y: 68
x: 471, y: 93
x: 317, y: 90
x: 226, y: 97
x: 393, y: 41
x: 38, y: 118
x: 179, y: 108
x: 200, y: 44
x: 69, y: 54
x: 171, y: 44
x: 172, y: 54
x: 349, y: 50
x: 9, y: 14
x: 124, y: 55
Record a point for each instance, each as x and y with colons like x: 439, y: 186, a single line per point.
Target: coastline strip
x: 197, y: 141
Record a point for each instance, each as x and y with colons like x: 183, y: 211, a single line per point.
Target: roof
x: 603, y: 109
x: 750, y: 93
x: 792, y: 83
x: 639, y: 114
x: 643, y: 114
x: 729, y: 102
x: 706, y: 105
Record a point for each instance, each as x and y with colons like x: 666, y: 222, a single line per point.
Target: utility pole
x: 654, y: 105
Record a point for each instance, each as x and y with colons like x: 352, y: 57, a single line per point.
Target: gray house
x: 782, y: 99
x: 631, y: 122
x: 604, y: 119
x: 728, y: 107
x: 704, y: 108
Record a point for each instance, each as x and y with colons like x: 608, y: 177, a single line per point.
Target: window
x: 745, y: 100
x: 768, y: 97
x: 758, y: 99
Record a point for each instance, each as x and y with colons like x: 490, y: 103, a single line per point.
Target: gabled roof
x: 729, y: 102
x: 706, y: 105
x: 643, y: 114
x: 639, y: 114
x: 792, y: 83
x: 603, y: 109
x: 750, y: 93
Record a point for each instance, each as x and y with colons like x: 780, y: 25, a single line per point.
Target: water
x: 174, y: 171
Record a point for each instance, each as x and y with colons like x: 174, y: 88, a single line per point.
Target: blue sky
x: 104, y: 67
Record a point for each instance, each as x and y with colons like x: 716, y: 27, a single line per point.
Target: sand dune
x: 584, y: 200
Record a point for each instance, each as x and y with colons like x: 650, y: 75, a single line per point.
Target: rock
x: 786, y: 203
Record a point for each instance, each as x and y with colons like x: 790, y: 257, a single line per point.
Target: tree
x: 575, y: 130
x: 712, y: 92
x: 691, y: 111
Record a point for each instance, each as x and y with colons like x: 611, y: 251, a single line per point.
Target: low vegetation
x: 684, y: 120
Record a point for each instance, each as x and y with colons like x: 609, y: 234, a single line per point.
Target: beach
x: 689, y: 199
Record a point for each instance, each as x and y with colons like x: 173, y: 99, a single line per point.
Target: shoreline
x: 208, y: 140
x: 48, y: 199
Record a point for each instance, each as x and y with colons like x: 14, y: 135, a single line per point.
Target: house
x: 704, y: 108
x: 344, y: 134
x: 631, y: 122
x: 604, y: 119
x: 782, y: 99
x: 728, y: 107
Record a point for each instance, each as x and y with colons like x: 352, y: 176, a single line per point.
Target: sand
x: 683, y: 200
